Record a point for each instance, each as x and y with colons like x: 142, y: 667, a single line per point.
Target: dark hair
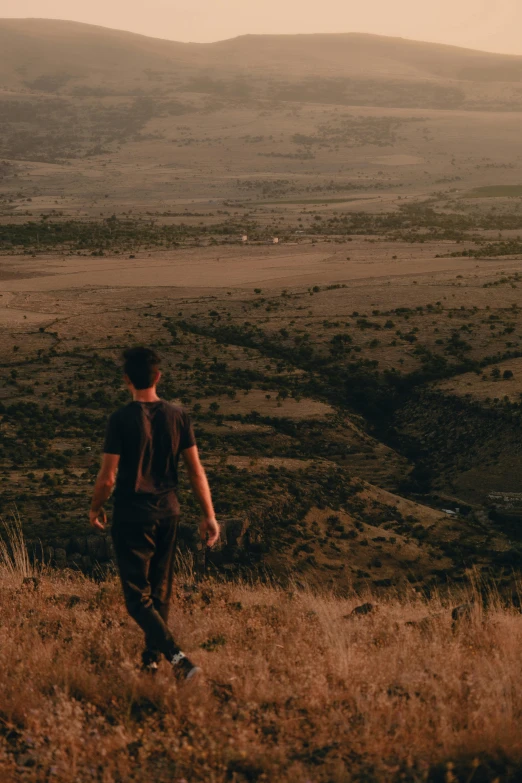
x: 141, y: 365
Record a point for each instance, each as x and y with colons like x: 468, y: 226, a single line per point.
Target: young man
x: 142, y: 447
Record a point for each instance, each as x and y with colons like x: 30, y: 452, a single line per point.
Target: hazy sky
x: 494, y: 25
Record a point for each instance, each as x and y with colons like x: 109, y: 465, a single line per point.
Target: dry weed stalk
x: 14, y: 558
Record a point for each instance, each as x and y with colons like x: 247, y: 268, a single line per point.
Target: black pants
x: 145, y: 553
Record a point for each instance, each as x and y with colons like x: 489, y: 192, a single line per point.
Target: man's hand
x: 94, y: 519
x: 102, y: 490
x: 209, y: 530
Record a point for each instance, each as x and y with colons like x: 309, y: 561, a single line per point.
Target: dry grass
x: 296, y: 690
x: 14, y: 558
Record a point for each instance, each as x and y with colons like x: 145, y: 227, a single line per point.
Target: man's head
x: 141, y: 367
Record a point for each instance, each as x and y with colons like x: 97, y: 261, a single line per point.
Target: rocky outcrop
x: 80, y: 553
x: 95, y: 552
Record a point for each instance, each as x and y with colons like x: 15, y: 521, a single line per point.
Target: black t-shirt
x: 149, y: 437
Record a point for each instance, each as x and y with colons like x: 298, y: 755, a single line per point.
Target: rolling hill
x: 71, y: 91
x: 46, y: 56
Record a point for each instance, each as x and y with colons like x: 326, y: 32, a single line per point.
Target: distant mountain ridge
x: 67, y: 57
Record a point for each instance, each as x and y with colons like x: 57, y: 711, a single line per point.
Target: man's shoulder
x: 121, y: 413
x: 175, y: 409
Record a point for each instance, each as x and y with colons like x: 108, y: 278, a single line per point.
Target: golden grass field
x: 296, y: 686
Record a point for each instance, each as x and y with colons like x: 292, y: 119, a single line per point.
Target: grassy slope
x: 296, y: 690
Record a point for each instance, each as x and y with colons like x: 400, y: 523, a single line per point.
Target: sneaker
x: 183, y: 668
x: 150, y: 668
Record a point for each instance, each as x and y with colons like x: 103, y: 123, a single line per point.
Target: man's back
x: 149, y: 437
x: 142, y: 447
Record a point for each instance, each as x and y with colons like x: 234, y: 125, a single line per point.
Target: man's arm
x: 103, y: 488
x: 209, y: 528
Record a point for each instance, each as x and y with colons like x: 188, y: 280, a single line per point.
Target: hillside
x: 71, y: 58
x: 126, y: 120
x: 299, y: 687
x: 327, y: 464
